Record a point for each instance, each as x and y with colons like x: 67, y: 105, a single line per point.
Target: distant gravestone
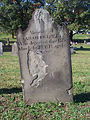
x: 1, y: 49
x: 8, y: 42
x: 14, y: 49
x: 85, y: 41
x: 45, y: 61
x: 72, y: 50
x: 88, y: 43
x: 75, y: 48
x: 81, y: 47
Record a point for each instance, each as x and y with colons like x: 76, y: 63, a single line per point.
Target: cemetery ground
x: 81, y: 36
x: 5, y: 36
x: 12, y: 106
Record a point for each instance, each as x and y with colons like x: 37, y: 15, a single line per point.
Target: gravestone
x: 72, y: 50
x: 75, y: 48
x: 1, y: 49
x: 88, y: 43
x: 14, y: 49
x: 45, y: 61
x: 8, y: 42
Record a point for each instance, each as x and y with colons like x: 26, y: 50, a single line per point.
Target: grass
x: 81, y: 36
x: 12, y: 106
x: 5, y: 36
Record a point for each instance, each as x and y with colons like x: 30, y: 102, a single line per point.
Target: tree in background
x: 16, y: 14
x: 75, y: 13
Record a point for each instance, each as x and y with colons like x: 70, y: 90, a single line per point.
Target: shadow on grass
x: 83, y: 97
x: 83, y: 49
x: 81, y: 40
x: 10, y: 91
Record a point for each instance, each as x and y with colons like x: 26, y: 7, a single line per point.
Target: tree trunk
x: 71, y: 36
x: 13, y: 35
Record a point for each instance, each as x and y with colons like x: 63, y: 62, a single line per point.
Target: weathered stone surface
x: 1, y: 49
x: 72, y: 50
x: 14, y: 49
x: 45, y: 62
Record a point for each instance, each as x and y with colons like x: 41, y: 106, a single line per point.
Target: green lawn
x: 5, y: 36
x: 81, y: 36
x: 12, y: 106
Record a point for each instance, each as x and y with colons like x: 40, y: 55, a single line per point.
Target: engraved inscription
x: 35, y: 42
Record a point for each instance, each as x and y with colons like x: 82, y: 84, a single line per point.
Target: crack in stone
x: 28, y: 60
x: 35, y: 78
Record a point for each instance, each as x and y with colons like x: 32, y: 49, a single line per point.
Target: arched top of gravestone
x: 40, y: 22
